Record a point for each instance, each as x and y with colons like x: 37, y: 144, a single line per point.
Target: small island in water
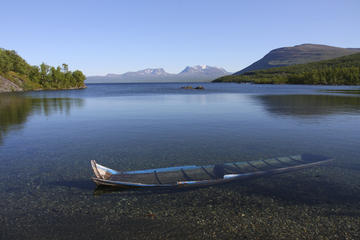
x: 17, y: 75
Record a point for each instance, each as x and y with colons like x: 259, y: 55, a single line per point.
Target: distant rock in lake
x: 191, y: 87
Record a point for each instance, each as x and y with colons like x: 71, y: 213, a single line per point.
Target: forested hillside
x: 23, y: 76
x: 338, y: 71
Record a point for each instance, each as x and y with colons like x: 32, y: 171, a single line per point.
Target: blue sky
x: 100, y: 37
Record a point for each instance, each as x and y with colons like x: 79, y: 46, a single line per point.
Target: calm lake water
x: 47, y: 139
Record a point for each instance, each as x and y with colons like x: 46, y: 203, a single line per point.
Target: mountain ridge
x: 298, y: 54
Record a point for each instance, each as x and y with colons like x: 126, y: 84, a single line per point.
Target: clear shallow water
x: 47, y: 139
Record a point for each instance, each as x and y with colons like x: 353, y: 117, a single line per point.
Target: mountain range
x: 298, y: 54
x: 203, y: 73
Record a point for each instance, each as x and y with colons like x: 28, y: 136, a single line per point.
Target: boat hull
x: 196, y: 176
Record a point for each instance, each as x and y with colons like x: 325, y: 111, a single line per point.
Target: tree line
x: 16, y: 69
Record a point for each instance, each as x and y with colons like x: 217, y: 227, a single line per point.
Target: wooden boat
x: 193, y: 175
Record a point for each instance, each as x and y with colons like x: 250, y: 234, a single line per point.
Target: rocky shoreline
x: 8, y: 86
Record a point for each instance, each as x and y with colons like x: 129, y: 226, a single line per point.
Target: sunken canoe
x: 193, y: 175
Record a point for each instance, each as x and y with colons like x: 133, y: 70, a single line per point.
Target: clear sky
x: 100, y: 37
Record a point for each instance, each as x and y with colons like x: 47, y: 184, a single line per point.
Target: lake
x: 47, y: 139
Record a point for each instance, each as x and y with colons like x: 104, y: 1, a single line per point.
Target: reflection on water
x: 49, y: 137
x: 13, y: 112
x: 309, y: 105
x: 16, y: 109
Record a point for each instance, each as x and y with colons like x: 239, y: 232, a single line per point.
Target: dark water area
x: 48, y: 138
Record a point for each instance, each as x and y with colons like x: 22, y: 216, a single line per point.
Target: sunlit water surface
x: 47, y: 139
